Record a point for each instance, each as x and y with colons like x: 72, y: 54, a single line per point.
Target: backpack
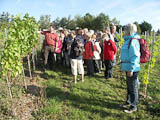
x: 78, y: 47
x: 144, y: 50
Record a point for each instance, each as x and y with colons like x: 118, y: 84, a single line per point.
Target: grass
x: 96, y: 98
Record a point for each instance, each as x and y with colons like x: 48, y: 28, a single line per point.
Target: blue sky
x: 127, y: 11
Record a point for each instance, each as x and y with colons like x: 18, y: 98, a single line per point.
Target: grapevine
x: 22, y: 36
x: 152, y: 62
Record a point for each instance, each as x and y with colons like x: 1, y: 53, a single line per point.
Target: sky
x: 127, y: 11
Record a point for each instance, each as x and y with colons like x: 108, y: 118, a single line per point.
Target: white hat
x: 77, y: 28
x: 89, y: 34
x: 91, y: 31
x: 60, y: 28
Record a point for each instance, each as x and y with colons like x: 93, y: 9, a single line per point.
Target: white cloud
x: 105, y: 5
x: 147, y: 11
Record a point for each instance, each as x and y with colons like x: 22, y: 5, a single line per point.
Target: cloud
x: 148, y: 11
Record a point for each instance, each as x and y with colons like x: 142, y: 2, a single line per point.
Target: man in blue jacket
x: 130, y: 59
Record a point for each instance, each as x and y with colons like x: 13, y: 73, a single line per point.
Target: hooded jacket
x: 88, y: 53
x: 109, y: 50
x: 130, y: 56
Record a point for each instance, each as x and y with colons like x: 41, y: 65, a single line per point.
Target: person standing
x: 67, y: 47
x: 130, y: 63
x: 96, y: 56
x: 50, y: 42
x: 88, y: 54
x: 109, y: 51
x: 76, y: 56
x: 116, y: 40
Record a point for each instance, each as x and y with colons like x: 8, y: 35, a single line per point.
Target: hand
x: 56, y: 49
x: 129, y: 73
x: 39, y: 32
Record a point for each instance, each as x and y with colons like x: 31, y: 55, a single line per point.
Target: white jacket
x: 96, y: 53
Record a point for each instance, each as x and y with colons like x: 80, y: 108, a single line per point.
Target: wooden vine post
x: 21, y: 39
x: 150, y: 66
x: 29, y: 66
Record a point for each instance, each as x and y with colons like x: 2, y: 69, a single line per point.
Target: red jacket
x: 88, y: 54
x: 50, y: 38
x: 110, y: 50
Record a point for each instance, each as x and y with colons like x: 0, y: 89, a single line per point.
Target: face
x: 72, y: 34
x: 106, y: 31
x: 87, y: 38
x: 98, y: 35
x: 113, y: 29
x: 79, y: 32
x: 51, y: 29
x: 66, y: 33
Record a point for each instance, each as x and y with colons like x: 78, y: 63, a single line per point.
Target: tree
x: 145, y: 26
x: 158, y: 32
x: 4, y: 20
x: 115, y: 21
x: 88, y: 18
x: 79, y: 21
x: 63, y: 22
x: 45, y: 21
x: 71, y: 23
x: 56, y: 22
x: 138, y: 27
x: 101, y: 22
x: 89, y: 21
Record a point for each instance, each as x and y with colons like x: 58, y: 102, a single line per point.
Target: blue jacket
x: 130, y: 57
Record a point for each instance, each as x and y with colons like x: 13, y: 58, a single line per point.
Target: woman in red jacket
x: 88, y: 54
x: 109, y: 51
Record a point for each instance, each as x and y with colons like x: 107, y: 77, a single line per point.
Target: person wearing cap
x: 130, y: 63
x: 77, y: 61
x: 61, y: 33
x: 50, y: 42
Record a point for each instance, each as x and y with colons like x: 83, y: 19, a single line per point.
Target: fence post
x: 153, y: 41
x: 145, y: 34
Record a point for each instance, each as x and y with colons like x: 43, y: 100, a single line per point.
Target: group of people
x: 95, y: 50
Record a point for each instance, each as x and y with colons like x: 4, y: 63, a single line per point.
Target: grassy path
x: 94, y: 99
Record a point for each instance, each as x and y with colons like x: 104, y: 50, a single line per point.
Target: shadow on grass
x: 83, y: 102
x: 34, y: 90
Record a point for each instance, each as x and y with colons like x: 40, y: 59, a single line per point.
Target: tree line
x: 99, y: 22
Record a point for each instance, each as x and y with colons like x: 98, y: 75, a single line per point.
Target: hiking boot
x: 126, y: 105
x: 130, y: 110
